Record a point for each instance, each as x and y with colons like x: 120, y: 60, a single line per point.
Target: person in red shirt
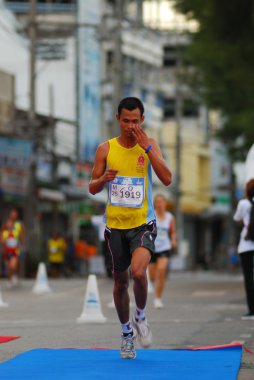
x: 10, y: 242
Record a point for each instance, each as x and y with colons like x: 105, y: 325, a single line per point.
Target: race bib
x: 127, y: 191
x: 11, y: 242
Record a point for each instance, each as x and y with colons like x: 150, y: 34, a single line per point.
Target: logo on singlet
x: 141, y: 160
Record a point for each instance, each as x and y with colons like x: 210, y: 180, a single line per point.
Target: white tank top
x: 162, y: 241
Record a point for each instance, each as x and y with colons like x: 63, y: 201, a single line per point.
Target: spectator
x: 11, y: 251
x: 245, y: 214
x: 56, y: 254
x: 80, y: 247
x: 99, y: 223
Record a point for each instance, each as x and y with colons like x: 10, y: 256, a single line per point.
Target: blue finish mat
x: 91, y: 364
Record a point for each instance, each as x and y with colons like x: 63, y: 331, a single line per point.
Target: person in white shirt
x: 164, y: 244
x: 245, y: 214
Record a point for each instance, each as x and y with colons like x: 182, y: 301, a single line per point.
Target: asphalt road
x: 201, y: 308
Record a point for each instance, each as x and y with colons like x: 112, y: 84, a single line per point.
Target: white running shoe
x: 248, y: 317
x: 158, y: 303
x: 144, y: 332
x: 14, y: 282
x: 127, y: 350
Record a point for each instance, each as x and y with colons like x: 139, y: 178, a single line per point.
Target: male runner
x: 124, y: 165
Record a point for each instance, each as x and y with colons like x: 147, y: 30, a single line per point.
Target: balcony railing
x: 23, y: 7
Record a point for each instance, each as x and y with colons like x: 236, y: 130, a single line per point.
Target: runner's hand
x: 141, y: 137
x: 109, y: 175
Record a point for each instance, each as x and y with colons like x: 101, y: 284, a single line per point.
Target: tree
x: 222, y: 51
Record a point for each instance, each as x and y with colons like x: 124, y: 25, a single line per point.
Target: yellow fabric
x: 6, y: 234
x: 130, y: 162
x: 18, y: 228
x: 56, y: 250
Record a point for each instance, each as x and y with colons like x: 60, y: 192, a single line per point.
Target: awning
x: 74, y: 193
x: 51, y: 195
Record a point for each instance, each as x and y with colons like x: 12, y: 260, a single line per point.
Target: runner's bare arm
x: 158, y: 163
x: 173, y: 232
x: 100, y: 176
x: 154, y: 154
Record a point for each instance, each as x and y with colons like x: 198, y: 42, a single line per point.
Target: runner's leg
x: 121, y: 296
x: 161, y: 273
x: 140, y: 259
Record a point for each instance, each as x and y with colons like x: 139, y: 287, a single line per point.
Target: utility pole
x: 139, y: 12
x: 31, y: 204
x: 53, y: 153
x: 118, y: 61
x: 77, y: 81
x: 178, y: 151
x: 32, y: 38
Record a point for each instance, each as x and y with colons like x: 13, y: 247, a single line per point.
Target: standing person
x: 99, y: 223
x: 18, y: 226
x: 57, y: 248
x: 164, y: 243
x: 124, y: 164
x: 81, y: 263
x: 245, y: 214
x: 19, y: 233
x: 11, y: 251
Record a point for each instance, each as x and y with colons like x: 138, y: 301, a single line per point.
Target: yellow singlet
x: 130, y: 202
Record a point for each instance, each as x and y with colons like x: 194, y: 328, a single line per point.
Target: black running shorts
x: 158, y: 255
x: 121, y: 244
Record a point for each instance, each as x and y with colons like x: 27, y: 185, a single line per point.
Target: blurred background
x: 64, y: 66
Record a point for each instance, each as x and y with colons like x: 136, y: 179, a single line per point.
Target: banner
x: 15, y: 162
x: 7, y: 86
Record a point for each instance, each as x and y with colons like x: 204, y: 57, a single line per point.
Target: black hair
x: 131, y: 103
x: 250, y: 196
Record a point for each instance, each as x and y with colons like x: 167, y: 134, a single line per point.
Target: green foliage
x: 222, y: 50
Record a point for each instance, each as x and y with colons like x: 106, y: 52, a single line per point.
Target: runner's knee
x: 121, y: 284
x: 138, y: 274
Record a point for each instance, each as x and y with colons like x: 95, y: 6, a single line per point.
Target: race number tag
x: 11, y: 242
x: 127, y: 191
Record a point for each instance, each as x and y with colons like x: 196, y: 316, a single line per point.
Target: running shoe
x: 158, y: 303
x: 248, y: 316
x: 127, y: 350
x: 143, y: 331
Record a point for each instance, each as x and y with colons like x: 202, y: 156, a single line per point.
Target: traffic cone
x: 2, y: 303
x: 92, y: 306
x: 41, y: 285
x: 150, y: 288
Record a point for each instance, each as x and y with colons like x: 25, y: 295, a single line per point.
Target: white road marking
x: 208, y: 293
x: 245, y: 335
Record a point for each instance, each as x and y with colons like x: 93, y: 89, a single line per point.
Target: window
x: 169, y: 108
x: 190, y: 108
x: 169, y: 57
x: 109, y: 57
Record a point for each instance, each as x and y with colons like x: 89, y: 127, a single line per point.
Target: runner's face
x: 128, y: 120
x: 160, y: 204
